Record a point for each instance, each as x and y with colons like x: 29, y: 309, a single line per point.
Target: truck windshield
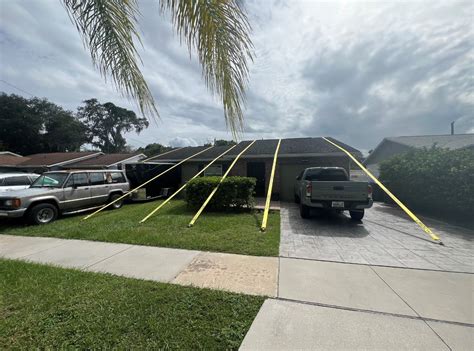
x: 326, y: 175
x: 50, y: 180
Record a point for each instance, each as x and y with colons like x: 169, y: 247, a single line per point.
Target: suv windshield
x: 50, y: 180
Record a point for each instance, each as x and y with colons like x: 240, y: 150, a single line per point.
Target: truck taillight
x: 309, y: 189
x: 369, y: 191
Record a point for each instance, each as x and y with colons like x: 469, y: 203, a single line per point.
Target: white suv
x: 16, y: 181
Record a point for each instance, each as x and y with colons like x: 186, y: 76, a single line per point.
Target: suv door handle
x: 86, y: 188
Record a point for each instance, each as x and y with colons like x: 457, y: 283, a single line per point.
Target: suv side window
x: 115, y: 177
x: 78, y: 179
x: 19, y: 180
x: 97, y: 178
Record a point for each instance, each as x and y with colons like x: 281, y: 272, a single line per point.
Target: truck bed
x: 339, y: 191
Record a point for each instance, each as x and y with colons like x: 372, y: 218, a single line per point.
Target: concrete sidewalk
x: 237, y: 273
x: 316, y: 305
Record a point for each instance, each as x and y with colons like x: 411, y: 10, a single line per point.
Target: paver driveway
x: 386, y: 237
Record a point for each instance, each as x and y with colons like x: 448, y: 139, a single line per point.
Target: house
x: 106, y: 161
x: 392, y: 146
x: 9, y: 160
x: 295, y: 155
x: 39, y: 163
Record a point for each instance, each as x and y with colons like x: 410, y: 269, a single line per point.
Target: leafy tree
x: 35, y: 125
x: 154, y: 149
x: 222, y: 142
x: 217, y: 30
x: 106, y: 123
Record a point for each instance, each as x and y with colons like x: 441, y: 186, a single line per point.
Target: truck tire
x: 42, y: 213
x: 357, y: 215
x: 304, y: 211
x: 116, y: 205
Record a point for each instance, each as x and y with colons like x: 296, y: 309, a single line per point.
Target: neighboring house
x: 106, y: 161
x: 295, y: 155
x: 9, y: 160
x: 39, y: 163
x: 390, y: 147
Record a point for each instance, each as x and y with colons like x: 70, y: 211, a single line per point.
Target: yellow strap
x: 198, y: 213
x: 148, y: 181
x: 184, y: 186
x: 394, y: 198
x: 164, y: 153
x: 270, y: 187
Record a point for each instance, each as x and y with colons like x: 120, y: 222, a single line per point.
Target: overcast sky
x: 355, y: 71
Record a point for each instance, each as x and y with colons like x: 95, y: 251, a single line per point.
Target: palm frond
x: 108, y: 31
x: 220, y: 32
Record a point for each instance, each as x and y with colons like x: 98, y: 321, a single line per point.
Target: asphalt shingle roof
x: 102, y: 160
x: 456, y: 141
x: 291, y: 146
x: 48, y: 159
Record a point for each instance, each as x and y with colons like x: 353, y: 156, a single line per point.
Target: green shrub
x: 436, y: 181
x: 234, y: 192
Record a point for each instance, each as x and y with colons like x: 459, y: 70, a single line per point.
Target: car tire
x: 357, y: 215
x: 116, y: 205
x: 42, y: 213
x: 304, y: 211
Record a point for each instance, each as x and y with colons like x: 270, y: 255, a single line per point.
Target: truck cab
x: 329, y: 188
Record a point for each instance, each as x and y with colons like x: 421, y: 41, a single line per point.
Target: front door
x: 257, y: 170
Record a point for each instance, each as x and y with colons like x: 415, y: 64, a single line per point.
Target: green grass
x: 234, y: 232
x: 43, y: 307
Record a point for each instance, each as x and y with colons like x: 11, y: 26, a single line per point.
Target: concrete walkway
x: 314, y: 304
x: 237, y: 273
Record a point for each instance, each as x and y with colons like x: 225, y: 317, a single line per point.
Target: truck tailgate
x: 344, y: 191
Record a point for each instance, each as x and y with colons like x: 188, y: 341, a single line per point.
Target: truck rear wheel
x: 42, y: 213
x: 357, y: 215
x: 304, y: 211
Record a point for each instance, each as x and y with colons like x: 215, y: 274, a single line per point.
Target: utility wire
x: 15, y: 87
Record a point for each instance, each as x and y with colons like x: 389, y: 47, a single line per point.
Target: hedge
x: 434, y: 181
x: 234, y: 192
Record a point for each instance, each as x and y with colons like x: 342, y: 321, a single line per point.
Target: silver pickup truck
x: 64, y: 192
x: 329, y: 188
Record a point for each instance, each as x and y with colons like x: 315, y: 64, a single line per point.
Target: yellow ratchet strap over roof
x: 184, y: 186
x: 148, y: 181
x: 270, y: 187
x: 198, y: 213
x: 389, y: 193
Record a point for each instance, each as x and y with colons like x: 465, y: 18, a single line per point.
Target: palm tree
x: 218, y: 30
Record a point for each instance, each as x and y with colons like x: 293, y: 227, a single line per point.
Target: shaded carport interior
x: 295, y: 155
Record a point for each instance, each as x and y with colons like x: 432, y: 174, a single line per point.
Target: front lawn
x: 234, y: 232
x: 43, y: 307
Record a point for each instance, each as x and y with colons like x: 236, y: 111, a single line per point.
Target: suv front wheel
x: 42, y: 214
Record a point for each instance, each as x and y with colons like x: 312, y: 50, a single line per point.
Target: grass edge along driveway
x: 55, y: 308
x: 231, y: 232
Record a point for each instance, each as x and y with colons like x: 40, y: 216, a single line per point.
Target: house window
x: 213, y: 170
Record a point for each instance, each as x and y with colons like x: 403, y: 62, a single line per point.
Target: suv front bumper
x: 12, y: 213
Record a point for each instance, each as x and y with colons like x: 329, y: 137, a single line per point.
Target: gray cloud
x: 355, y: 71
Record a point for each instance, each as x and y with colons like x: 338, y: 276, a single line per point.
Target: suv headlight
x: 15, y: 203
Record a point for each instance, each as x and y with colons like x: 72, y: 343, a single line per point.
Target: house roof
x: 104, y: 160
x: 56, y: 158
x: 456, y: 141
x: 9, y: 153
x: 291, y: 147
x: 9, y: 160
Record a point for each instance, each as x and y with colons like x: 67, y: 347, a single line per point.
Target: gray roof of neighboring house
x: 105, y: 160
x: 265, y: 148
x: 456, y: 141
x: 55, y: 158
